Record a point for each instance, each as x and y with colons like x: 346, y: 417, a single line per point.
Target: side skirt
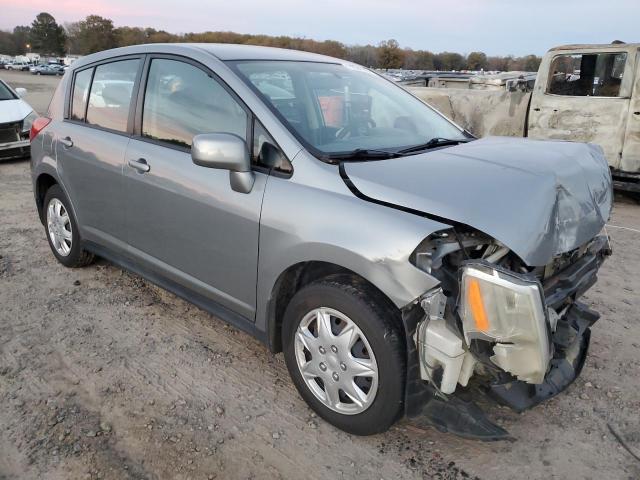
x: 181, y: 291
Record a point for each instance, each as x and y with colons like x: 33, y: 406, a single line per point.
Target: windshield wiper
x: 364, y: 154
x: 433, y: 143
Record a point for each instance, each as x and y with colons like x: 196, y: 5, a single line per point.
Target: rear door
x: 631, y: 150
x: 184, y: 221
x: 90, y: 147
x: 584, y: 98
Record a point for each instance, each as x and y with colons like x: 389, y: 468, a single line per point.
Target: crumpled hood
x: 13, y: 110
x: 539, y: 198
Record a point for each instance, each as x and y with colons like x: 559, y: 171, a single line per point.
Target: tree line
x: 96, y: 33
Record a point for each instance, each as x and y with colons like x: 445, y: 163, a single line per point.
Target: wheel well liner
x: 43, y: 183
x: 293, y: 279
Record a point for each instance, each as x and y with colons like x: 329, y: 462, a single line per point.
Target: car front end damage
x: 14, y: 140
x: 494, y: 324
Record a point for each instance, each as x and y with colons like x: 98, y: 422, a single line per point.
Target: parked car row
x: 50, y: 68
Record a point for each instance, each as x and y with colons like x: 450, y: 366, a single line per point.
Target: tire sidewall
x: 387, y: 404
x: 76, y: 251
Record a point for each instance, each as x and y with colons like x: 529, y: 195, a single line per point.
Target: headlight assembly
x: 28, y: 121
x: 507, y: 309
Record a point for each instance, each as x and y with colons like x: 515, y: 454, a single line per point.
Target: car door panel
x: 186, y: 223
x: 565, y: 115
x: 92, y: 170
x: 631, y: 150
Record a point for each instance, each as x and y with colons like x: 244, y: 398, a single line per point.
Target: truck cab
x: 591, y: 93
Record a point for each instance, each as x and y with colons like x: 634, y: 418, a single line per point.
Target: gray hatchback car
x: 400, y: 264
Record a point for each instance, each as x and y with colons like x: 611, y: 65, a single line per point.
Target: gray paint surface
x: 537, y: 198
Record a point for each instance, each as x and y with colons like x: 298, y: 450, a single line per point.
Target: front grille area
x: 10, y: 132
x: 20, y: 152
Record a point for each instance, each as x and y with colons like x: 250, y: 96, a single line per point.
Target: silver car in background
x: 393, y: 258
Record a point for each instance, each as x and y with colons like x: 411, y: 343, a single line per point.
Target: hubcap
x: 59, y: 227
x: 336, y: 361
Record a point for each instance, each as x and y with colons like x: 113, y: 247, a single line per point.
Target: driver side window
x: 182, y: 101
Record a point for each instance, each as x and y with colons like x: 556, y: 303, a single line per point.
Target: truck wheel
x: 62, y: 230
x: 346, y: 355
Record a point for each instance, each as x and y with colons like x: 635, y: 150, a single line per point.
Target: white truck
x: 584, y: 93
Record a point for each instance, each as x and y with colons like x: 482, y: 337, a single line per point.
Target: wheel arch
x: 43, y: 183
x: 295, y: 277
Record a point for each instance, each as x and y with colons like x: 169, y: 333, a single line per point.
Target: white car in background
x: 16, y: 117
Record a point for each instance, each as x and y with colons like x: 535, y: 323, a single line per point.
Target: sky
x: 497, y: 27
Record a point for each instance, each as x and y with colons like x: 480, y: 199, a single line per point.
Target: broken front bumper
x: 572, y: 333
x: 571, y: 342
x: 458, y: 413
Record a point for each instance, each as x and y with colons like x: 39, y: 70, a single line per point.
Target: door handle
x: 536, y: 109
x: 636, y: 113
x: 66, y: 142
x: 140, y: 165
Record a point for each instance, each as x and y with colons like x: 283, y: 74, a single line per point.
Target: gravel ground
x: 103, y: 375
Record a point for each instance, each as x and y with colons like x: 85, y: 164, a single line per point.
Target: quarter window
x: 110, y: 96
x: 182, y: 101
x: 265, y: 152
x: 80, y: 94
x: 593, y: 75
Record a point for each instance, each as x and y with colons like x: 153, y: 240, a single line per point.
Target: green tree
x: 130, y: 36
x: 20, y: 39
x: 94, y: 34
x: 449, y: 61
x: 531, y: 63
x: 477, y: 61
x: 46, y: 36
x: 7, y: 46
x: 390, y: 55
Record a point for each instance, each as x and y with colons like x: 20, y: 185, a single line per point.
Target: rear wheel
x: 345, y: 353
x: 62, y: 230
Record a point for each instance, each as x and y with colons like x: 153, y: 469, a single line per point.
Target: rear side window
x: 110, y: 95
x: 80, y: 94
x: 592, y: 75
x: 182, y: 101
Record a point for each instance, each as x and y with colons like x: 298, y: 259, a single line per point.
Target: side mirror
x: 225, y: 151
x: 21, y: 91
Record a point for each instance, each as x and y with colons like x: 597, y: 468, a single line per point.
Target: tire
x: 76, y: 256
x: 379, y: 323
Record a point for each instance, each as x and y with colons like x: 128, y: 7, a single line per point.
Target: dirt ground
x: 103, y: 375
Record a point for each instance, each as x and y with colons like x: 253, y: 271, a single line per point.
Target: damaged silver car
x: 401, y: 265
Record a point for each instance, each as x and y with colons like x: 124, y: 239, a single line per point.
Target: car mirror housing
x: 225, y: 151
x: 21, y: 91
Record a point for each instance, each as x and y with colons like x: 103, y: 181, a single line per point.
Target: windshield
x: 5, y: 93
x: 337, y: 109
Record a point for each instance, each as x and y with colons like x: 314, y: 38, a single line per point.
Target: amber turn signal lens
x: 474, y: 298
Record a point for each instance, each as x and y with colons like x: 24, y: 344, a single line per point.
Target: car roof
x: 595, y: 46
x: 222, y: 51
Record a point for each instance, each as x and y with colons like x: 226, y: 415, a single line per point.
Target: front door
x: 184, y: 221
x: 631, y: 150
x: 584, y: 98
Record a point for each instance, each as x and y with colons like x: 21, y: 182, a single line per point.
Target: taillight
x: 37, y: 126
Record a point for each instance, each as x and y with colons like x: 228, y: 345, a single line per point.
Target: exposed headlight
x: 28, y: 121
x: 509, y: 310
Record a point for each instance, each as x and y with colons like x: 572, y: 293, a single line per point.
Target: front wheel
x: 345, y: 352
